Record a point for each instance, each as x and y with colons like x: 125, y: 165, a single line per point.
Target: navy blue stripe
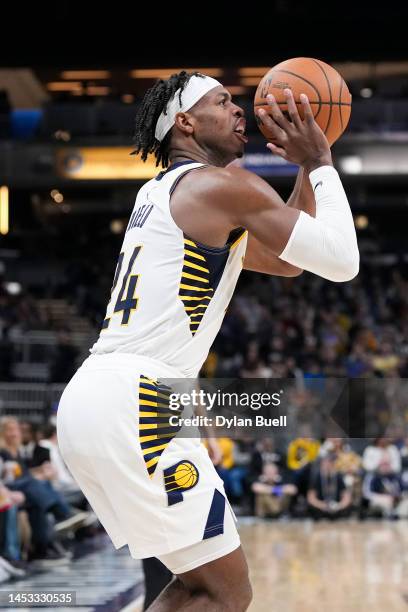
x: 158, y: 401
x: 199, y: 262
x: 197, y: 318
x: 202, y: 280
x: 155, y: 387
x: 160, y: 410
x: 161, y: 430
x: 153, y: 420
x: 150, y: 443
x: 149, y: 385
x: 215, y: 520
x: 163, y: 399
x: 201, y: 311
x: 191, y: 293
x: 153, y: 454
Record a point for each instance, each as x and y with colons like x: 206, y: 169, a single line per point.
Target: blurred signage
x: 104, y: 163
x: 116, y: 163
x: 267, y: 164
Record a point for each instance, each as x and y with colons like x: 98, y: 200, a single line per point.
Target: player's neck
x: 202, y: 157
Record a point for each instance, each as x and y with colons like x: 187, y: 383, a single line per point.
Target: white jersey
x: 169, y: 293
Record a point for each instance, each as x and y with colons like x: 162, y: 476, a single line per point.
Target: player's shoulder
x: 213, y: 181
x: 227, y: 174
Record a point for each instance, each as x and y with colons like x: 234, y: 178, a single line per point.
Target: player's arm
x: 302, y: 196
x: 259, y: 258
x: 325, y: 245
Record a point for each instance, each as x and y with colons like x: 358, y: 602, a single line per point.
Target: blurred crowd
x: 327, y: 479
x: 306, y: 326
x: 42, y: 510
x: 274, y: 327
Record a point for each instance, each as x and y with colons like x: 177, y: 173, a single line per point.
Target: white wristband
x: 325, y: 245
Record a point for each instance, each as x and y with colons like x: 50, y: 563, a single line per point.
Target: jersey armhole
x: 234, y: 236
x: 180, y: 176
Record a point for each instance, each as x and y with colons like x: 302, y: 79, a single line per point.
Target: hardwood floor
x: 338, y: 567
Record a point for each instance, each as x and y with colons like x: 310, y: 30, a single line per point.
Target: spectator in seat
x: 272, y: 495
x: 328, y: 496
x: 40, y: 496
x: 388, y: 496
x: 10, y: 549
x: 302, y: 452
x: 232, y: 475
x: 348, y: 463
x: 382, y: 450
x: 263, y: 452
x: 31, y: 451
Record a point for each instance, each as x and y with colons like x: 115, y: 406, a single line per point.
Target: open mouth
x: 240, y: 129
x: 240, y: 134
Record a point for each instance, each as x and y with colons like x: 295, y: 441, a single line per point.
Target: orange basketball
x: 327, y: 91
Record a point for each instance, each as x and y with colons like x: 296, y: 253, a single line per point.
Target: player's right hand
x: 299, y: 142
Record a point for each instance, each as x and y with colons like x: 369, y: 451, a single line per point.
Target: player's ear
x: 185, y: 123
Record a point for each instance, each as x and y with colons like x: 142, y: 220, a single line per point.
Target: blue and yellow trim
x: 203, y: 267
x: 155, y: 431
x: 195, y: 290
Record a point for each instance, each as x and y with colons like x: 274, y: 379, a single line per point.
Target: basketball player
x: 193, y: 227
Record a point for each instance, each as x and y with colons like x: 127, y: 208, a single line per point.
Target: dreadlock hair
x: 153, y: 104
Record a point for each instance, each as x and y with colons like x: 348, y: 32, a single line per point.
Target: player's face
x: 220, y: 125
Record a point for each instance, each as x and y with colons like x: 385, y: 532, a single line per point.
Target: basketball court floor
x: 296, y: 566
x: 338, y: 567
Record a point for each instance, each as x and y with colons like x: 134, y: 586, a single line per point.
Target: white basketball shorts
x: 151, y: 489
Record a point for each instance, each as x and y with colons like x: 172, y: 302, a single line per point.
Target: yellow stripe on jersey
x: 194, y: 298
x: 192, y: 288
x: 188, y: 308
x: 151, y: 437
x: 151, y: 381
x: 153, y: 449
x: 143, y: 426
x: 143, y: 402
x: 152, y: 462
x: 190, y: 242
x: 192, y: 254
x: 194, y: 277
x: 144, y: 414
x: 155, y: 393
x: 196, y: 266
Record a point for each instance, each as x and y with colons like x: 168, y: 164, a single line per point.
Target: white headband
x: 195, y: 89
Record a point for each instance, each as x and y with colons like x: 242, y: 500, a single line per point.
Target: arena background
x: 71, y: 78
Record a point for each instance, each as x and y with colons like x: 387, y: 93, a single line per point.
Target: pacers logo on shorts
x: 178, y: 478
